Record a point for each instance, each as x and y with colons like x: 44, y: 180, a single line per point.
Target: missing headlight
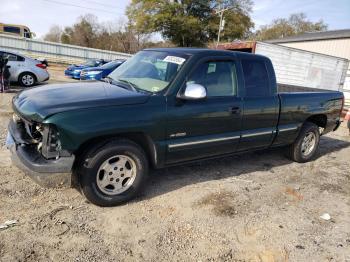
x: 50, y: 143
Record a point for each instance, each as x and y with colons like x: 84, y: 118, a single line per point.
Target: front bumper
x: 47, y: 173
x: 72, y: 74
x: 90, y: 77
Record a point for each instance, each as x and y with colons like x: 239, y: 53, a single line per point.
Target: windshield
x: 112, y: 64
x: 90, y: 63
x: 149, y: 70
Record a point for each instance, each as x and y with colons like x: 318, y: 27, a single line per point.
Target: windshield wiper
x: 111, y: 81
x: 133, y: 86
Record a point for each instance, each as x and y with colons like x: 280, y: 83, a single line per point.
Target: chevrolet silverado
x: 162, y: 107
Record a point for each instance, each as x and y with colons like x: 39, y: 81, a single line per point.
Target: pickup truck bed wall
x: 323, y: 108
x: 282, y: 88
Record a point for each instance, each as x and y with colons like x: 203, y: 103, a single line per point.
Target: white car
x: 25, y: 70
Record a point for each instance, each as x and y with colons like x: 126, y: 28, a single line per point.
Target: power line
x: 79, y: 6
x: 96, y: 2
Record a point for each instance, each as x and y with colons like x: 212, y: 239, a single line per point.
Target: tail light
x: 42, y: 66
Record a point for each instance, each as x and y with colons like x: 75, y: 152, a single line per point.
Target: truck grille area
x: 24, y: 132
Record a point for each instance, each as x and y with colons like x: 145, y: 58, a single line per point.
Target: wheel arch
x: 140, y: 138
x: 319, y: 119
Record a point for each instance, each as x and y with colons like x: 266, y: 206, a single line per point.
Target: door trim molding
x: 258, y: 133
x: 290, y: 128
x: 202, y: 141
x: 219, y: 139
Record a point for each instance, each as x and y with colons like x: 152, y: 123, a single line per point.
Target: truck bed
x: 297, y: 106
x: 284, y: 88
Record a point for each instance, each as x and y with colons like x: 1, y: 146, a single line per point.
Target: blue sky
x: 39, y: 15
x: 335, y: 13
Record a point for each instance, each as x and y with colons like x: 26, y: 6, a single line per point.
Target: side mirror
x: 194, y: 92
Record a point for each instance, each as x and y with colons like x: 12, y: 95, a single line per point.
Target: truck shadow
x: 172, y: 178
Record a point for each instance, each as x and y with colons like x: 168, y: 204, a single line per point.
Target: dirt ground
x: 253, y: 207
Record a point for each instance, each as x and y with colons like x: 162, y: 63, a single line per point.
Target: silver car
x: 25, y: 70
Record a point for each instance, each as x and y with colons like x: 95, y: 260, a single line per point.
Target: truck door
x: 260, y: 105
x: 208, y: 127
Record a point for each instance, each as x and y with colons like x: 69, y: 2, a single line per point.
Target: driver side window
x: 218, y: 77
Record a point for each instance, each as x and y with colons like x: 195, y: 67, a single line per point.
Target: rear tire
x: 306, y: 144
x: 27, y: 79
x: 113, y: 173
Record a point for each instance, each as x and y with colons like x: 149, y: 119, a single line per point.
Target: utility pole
x: 222, y: 22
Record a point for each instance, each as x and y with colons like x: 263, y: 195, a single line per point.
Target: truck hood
x: 36, y: 104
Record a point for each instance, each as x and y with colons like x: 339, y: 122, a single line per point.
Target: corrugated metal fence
x: 56, y: 52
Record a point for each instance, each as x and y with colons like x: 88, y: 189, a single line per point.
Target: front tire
x: 27, y: 79
x: 114, y: 173
x: 306, y: 144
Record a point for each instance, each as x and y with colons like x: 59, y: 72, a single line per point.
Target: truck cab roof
x: 190, y: 51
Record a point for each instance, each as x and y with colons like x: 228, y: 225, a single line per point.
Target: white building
x: 335, y: 43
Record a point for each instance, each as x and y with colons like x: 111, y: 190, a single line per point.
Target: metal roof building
x: 313, y: 36
x: 335, y: 43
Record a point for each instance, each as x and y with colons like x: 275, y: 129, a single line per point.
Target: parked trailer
x: 298, y: 70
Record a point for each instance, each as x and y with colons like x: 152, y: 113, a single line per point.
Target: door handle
x: 234, y: 110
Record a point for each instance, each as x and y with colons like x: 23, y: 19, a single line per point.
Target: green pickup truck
x: 162, y: 107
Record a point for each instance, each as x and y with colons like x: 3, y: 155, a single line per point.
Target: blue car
x: 97, y: 73
x: 74, y: 71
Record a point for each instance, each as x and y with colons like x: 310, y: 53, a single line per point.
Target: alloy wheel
x: 116, y: 175
x: 28, y: 80
x: 308, y: 144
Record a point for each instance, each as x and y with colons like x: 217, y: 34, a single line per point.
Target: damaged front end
x: 36, y: 150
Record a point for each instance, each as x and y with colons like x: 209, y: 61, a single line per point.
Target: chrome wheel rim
x: 308, y: 144
x: 27, y: 80
x: 116, y: 175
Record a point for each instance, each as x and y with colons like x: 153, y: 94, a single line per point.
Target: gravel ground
x: 253, y: 207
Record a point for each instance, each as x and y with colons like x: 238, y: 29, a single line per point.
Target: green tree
x: 83, y: 33
x: 189, y: 23
x: 294, y: 25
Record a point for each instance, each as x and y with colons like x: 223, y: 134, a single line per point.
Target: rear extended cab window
x: 256, y: 78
